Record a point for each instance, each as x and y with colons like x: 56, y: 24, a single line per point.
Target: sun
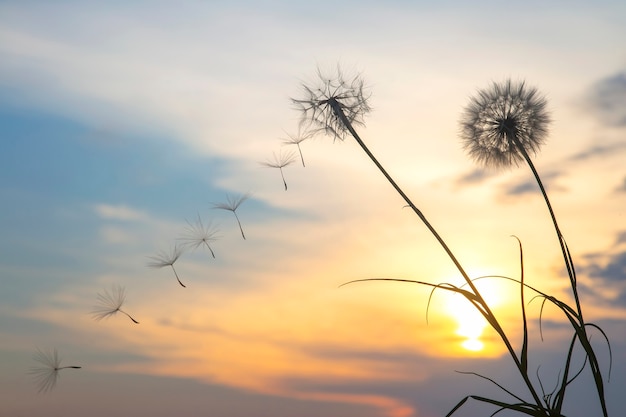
x: 470, y: 324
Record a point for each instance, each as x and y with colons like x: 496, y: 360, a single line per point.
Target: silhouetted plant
x: 232, y: 204
x: 297, y: 139
x: 111, y: 303
x: 280, y: 161
x: 501, y: 126
x: 47, y: 373
x: 163, y: 259
x: 198, y: 234
x: 334, y: 105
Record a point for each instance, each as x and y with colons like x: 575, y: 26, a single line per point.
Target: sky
x: 123, y: 123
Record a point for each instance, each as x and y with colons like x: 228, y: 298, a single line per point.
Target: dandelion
x: 335, y: 105
x: 198, y: 234
x: 504, y: 124
x: 163, y: 259
x: 47, y: 374
x: 232, y: 204
x: 297, y: 140
x: 280, y: 161
x: 111, y: 303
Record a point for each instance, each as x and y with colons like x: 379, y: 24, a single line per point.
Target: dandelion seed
x: 320, y: 106
x: 47, y: 374
x: 503, y: 122
x: 163, y: 259
x: 232, y: 204
x: 198, y: 234
x: 280, y: 161
x: 297, y: 140
x: 111, y: 303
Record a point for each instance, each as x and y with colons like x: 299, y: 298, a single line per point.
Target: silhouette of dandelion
x: 163, y: 259
x: 232, y: 204
x: 504, y: 123
x: 198, y: 234
x: 320, y: 105
x: 297, y: 140
x: 111, y: 303
x: 47, y: 374
x: 280, y: 161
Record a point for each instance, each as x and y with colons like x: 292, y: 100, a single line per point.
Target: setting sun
x: 470, y: 324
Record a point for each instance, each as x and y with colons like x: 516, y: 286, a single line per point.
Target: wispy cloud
x: 530, y: 186
x: 622, y: 187
x: 600, y: 150
x: 120, y: 212
x: 608, y: 99
x: 474, y: 177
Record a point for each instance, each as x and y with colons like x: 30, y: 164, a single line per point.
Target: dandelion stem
x: 283, y: 177
x: 301, y: 156
x: 569, y: 264
x: 239, y: 223
x: 480, y: 303
x: 129, y: 316
x: 210, y: 249
x: 176, y: 274
x: 568, y: 260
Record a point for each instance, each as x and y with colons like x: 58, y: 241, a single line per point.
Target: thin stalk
x: 566, y: 255
x: 178, y: 279
x: 128, y: 315
x: 484, y: 307
x: 239, y: 223
x: 581, y: 330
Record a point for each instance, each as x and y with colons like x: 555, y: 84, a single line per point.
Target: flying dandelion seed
x: 163, y: 259
x: 111, y: 303
x: 232, y: 204
x: 47, y: 374
x: 198, y: 234
x: 297, y: 140
x: 322, y: 104
x: 280, y: 161
x: 504, y: 123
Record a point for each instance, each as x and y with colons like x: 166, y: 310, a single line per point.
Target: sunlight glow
x: 470, y: 323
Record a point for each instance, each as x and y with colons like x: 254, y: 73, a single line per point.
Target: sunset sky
x: 122, y: 123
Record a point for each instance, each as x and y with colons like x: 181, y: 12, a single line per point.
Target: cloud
x: 530, y: 185
x: 598, y: 151
x: 608, y: 99
x: 119, y: 212
x: 474, y: 177
x: 613, y: 271
x: 607, y: 272
x: 622, y: 187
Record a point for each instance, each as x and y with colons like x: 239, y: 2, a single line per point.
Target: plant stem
x: 566, y: 255
x: 569, y: 264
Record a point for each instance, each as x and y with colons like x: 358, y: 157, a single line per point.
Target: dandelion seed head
x: 502, y: 118
x: 199, y: 233
x: 232, y: 203
x: 297, y: 138
x: 47, y: 373
x: 163, y: 258
x: 317, y: 104
x: 280, y: 160
x: 109, y: 303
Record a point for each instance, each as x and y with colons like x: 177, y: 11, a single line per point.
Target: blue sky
x: 120, y: 123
